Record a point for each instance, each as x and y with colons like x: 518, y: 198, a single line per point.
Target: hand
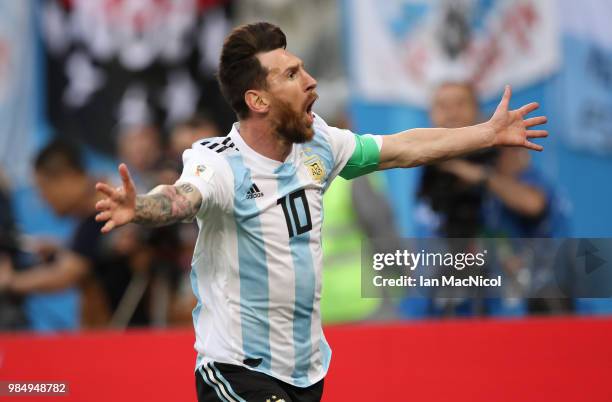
x: 468, y: 172
x: 510, y: 126
x: 119, y: 205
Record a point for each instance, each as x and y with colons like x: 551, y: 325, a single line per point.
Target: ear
x: 257, y: 101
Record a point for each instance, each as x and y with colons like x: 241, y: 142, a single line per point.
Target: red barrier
x: 527, y: 360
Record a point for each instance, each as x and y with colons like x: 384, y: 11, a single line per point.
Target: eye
x: 291, y: 75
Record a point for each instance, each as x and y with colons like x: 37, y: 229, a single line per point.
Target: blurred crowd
x: 140, y: 276
x: 136, y: 276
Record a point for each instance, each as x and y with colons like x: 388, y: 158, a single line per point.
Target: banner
x: 402, y: 49
x: 17, y: 61
x: 586, y: 78
x: 131, y: 62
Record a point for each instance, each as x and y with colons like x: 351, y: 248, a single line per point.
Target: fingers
x: 534, y: 147
x: 103, y: 205
x: 110, y: 225
x: 103, y: 216
x: 536, y: 121
x: 128, y: 184
x: 537, y: 133
x: 505, y: 102
x: 106, y: 189
x: 528, y: 108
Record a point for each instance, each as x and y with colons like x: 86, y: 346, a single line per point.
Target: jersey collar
x: 254, y: 156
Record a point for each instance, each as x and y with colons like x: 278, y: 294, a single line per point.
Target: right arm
x: 421, y: 146
x: 164, y: 205
x: 167, y: 204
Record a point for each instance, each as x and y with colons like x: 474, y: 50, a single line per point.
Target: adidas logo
x: 254, y: 192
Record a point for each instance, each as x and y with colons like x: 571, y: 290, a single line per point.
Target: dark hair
x: 58, y: 157
x: 239, y: 68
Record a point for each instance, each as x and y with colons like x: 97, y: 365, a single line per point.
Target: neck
x: 259, y: 134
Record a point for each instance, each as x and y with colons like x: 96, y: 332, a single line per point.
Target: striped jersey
x: 256, y: 269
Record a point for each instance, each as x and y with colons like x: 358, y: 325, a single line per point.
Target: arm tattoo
x: 165, y: 205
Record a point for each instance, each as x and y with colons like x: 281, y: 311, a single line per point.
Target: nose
x: 311, y: 83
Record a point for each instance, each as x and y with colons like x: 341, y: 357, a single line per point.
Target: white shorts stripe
x: 220, y: 386
x: 215, y: 387
x: 229, y: 388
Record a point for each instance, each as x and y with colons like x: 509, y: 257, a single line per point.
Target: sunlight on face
x: 291, y: 93
x: 58, y: 191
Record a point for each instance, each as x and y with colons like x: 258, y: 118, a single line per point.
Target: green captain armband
x: 364, y: 160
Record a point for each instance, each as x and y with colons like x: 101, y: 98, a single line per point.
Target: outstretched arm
x: 428, y: 145
x: 164, y: 205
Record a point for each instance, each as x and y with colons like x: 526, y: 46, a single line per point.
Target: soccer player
x: 256, y: 195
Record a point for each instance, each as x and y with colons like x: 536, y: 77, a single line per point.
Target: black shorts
x: 230, y: 383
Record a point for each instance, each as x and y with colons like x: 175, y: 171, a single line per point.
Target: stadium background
x: 63, y: 77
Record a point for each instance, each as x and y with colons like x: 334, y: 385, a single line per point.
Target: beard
x: 289, y: 125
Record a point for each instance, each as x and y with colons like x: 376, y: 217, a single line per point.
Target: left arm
x: 429, y: 145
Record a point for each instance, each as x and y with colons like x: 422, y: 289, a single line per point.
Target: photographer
x: 447, y: 205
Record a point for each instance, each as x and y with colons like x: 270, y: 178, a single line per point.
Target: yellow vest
x: 341, y: 299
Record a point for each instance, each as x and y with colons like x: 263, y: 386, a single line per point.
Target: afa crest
x: 316, y: 168
x: 200, y: 170
x: 204, y: 172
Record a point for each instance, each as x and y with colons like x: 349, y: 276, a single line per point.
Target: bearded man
x: 256, y: 195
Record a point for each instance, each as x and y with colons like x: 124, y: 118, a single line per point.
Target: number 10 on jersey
x: 296, y: 211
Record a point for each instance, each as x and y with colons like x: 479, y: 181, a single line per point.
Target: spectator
x: 446, y: 205
x: 66, y: 186
x: 518, y: 203
x: 141, y: 148
x: 510, y: 198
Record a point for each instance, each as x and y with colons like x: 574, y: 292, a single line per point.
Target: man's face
x: 183, y: 137
x: 454, y: 106
x: 291, y: 93
x: 58, y: 191
x: 140, y: 147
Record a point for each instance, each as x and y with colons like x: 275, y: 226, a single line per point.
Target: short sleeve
x: 345, y: 144
x: 207, y: 174
x: 342, y: 143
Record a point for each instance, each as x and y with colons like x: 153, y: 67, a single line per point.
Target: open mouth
x: 309, y: 108
x: 310, y: 104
